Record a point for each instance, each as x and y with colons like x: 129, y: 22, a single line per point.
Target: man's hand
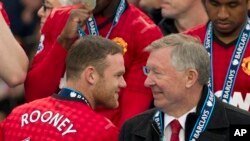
x: 78, y: 17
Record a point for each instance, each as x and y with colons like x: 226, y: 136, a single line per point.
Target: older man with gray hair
x: 178, y: 72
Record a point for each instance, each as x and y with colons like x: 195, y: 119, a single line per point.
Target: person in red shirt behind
x: 116, y: 20
x: 226, y: 38
x: 92, y: 80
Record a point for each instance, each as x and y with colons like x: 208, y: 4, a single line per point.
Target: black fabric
x: 167, y: 26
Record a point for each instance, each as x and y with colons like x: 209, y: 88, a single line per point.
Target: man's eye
x: 232, y: 5
x: 156, y: 72
x: 146, y: 70
x: 214, y: 3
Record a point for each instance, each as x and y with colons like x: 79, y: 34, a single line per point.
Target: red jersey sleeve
x: 41, y: 81
x: 48, y: 65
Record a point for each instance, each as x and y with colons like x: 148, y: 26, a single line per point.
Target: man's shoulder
x: 198, y: 30
x: 33, y: 105
x: 139, y: 124
x: 137, y: 17
x: 237, y: 114
x: 234, y: 114
x: 143, y: 117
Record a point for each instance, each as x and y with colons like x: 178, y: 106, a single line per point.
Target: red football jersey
x: 222, y: 55
x: 52, y: 119
x: 134, y: 28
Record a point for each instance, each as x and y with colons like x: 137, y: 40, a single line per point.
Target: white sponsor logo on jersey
x: 40, y: 46
x: 237, y: 100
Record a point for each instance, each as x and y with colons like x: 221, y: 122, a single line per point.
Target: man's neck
x: 180, y: 110
x: 110, y: 10
x: 228, y: 37
x: 83, y: 89
x: 189, y: 19
x: 190, y: 100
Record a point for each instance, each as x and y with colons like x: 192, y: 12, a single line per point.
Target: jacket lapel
x: 146, y: 132
x: 147, y: 129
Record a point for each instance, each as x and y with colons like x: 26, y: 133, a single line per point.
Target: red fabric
x: 221, y: 60
x: 48, y: 119
x: 175, y: 128
x: 3, y: 12
x: 1, y: 134
x: 134, y: 28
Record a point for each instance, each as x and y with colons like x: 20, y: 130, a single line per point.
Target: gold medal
x: 90, y: 4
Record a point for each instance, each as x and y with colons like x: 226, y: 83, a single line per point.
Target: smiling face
x: 167, y: 84
x: 46, y: 9
x: 228, y: 16
x: 108, y: 86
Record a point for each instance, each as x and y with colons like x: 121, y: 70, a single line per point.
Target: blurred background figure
x: 180, y: 15
x: 150, y: 7
x: 46, y: 8
x: 134, y: 2
x: 24, y: 22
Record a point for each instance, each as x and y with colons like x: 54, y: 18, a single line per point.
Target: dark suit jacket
x: 143, y: 128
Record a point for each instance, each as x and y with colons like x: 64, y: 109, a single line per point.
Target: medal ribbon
x: 92, y: 26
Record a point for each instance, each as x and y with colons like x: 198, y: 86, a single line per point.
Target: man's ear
x: 191, y: 77
x: 90, y: 74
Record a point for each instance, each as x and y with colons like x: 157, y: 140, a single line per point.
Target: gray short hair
x: 187, y: 52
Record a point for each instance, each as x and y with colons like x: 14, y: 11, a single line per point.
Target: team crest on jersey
x: 40, y: 46
x: 121, y: 42
x: 246, y: 65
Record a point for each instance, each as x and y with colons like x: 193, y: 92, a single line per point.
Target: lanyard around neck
x: 234, y: 63
x: 74, y: 95
x: 92, y: 25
